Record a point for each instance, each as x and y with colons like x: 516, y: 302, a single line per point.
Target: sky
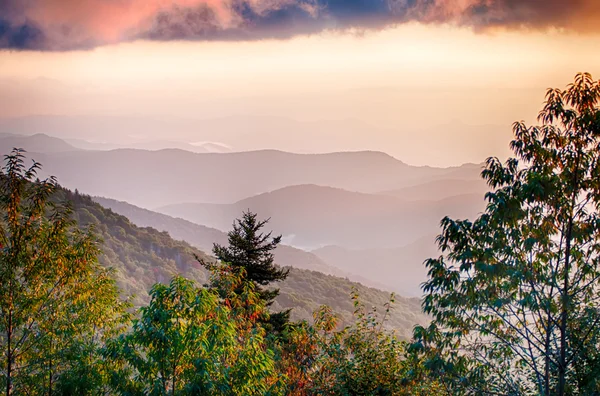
x: 435, y: 82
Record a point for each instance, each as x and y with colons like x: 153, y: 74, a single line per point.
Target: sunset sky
x: 406, y: 67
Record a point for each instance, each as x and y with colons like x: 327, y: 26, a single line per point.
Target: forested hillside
x: 144, y: 256
x: 203, y: 238
x: 139, y: 256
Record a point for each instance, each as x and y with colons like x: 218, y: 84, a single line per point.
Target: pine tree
x: 251, y: 250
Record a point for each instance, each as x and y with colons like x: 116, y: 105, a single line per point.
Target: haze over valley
x: 336, y: 211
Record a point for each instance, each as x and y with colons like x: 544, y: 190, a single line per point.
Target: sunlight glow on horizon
x: 413, y: 48
x: 408, y: 78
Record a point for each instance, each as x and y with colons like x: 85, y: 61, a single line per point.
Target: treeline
x: 513, y: 296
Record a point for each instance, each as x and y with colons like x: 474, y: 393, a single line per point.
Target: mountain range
x: 256, y: 132
x: 38, y: 143
x: 311, y: 216
x: 178, y: 176
x: 366, y: 216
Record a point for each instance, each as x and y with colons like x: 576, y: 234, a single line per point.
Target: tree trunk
x: 562, y: 364
x: 547, y: 351
x: 9, y: 356
x: 50, y: 368
x: 173, y: 386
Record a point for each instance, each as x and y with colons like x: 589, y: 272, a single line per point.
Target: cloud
x: 56, y: 25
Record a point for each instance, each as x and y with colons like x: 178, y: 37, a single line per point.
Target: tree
x: 56, y: 302
x: 190, y: 341
x: 363, y: 358
x: 514, y: 296
x: 251, y: 250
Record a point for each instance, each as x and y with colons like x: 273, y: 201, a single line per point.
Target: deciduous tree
x: 193, y: 341
x: 56, y: 302
x: 515, y: 295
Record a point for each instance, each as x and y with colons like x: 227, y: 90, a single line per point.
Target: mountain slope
x: 440, y: 189
x: 399, y: 268
x: 39, y: 143
x: 203, y: 237
x: 311, y: 216
x: 143, y: 256
x: 139, y: 256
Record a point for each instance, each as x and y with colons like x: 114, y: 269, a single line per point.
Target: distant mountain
x: 156, y: 178
x: 153, y: 145
x: 211, y: 147
x: 311, y: 216
x: 440, y: 189
x: 142, y: 256
x: 92, y: 145
x: 39, y: 143
x: 399, y: 268
x: 244, y: 132
x: 464, y: 172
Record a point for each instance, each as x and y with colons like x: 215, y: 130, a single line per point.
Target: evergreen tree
x: 251, y: 250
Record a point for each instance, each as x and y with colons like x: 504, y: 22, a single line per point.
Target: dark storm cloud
x: 80, y: 24
x: 22, y: 36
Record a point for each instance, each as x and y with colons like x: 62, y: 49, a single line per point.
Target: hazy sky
x: 405, y: 67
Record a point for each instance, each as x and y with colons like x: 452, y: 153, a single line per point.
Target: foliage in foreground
x: 194, y: 341
x: 515, y: 296
x: 188, y: 341
x: 65, y: 330
x: 359, y: 359
x: 57, y: 304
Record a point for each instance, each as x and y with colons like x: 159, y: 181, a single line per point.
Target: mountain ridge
x: 175, y: 176
x: 310, y: 216
x: 34, y: 143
